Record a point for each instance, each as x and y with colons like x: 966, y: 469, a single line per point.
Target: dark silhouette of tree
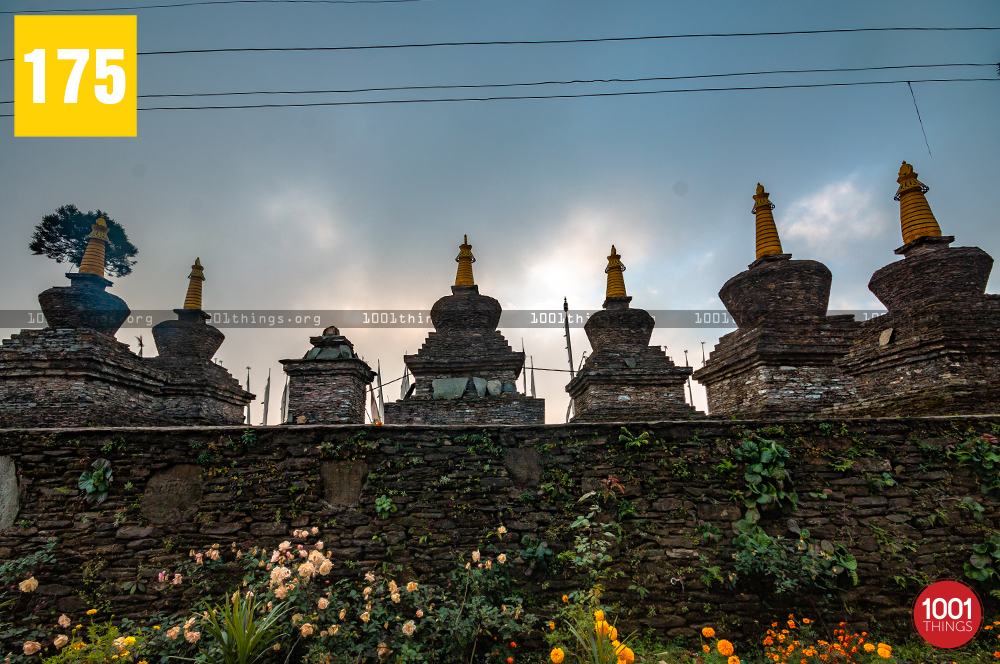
x: 63, y: 237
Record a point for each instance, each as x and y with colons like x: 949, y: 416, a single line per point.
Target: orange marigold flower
x: 843, y: 624
x: 791, y: 624
x: 725, y: 647
x: 774, y: 624
x: 510, y: 660
x: 733, y: 660
x: 769, y: 641
x: 997, y: 655
x: 513, y: 645
x: 706, y: 648
x: 707, y: 632
x: 806, y: 621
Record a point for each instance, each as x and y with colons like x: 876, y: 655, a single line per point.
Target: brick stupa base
x: 76, y: 377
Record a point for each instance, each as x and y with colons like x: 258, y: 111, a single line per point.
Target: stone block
x: 343, y: 481
x: 173, y: 495
x: 449, y: 388
x: 9, y: 499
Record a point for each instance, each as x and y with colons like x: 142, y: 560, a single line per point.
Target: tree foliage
x: 62, y: 236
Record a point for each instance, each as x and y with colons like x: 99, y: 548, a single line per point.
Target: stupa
x: 937, y: 350
x: 780, y: 361
x: 196, y: 390
x: 328, y: 385
x: 74, y: 372
x: 625, y: 379
x: 465, y: 372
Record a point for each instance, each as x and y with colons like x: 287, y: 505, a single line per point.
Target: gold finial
x: 465, y: 260
x: 915, y: 217
x: 616, y: 282
x: 768, y: 242
x: 93, y: 255
x: 193, y: 298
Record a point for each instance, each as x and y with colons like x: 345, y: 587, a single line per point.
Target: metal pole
x: 690, y: 391
x: 569, y: 345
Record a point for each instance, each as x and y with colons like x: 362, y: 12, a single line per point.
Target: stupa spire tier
x: 465, y: 259
x: 193, y: 298
x: 93, y: 255
x: 915, y: 217
x: 768, y: 242
x: 616, y: 281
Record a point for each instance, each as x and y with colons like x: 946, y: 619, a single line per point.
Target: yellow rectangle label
x: 75, y: 75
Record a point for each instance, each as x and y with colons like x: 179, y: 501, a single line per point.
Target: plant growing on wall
x: 96, y: 482
x: 384, y: 506
x: 768, y: 482
x: 984, y: 560
x: 982, y: 455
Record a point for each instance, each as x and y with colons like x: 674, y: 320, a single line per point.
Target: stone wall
x: 180, y: 489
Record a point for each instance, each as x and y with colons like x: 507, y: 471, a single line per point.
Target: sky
x: 364, y: 206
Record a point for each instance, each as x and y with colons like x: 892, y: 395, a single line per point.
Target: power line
x: 277, y: 49
x: 211, y: 2
x: 551, y: 82
x: 367, y: 102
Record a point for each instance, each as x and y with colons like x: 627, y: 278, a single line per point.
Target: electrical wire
x: 211, y: 2
x: 551, y: 82
x: 368, y: 102
x: 593, y: 40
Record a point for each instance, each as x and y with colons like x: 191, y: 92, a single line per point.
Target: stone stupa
x: 196, y: 390
x: 625, y: 379
x: 780, y: 362
x: 465, y: 373
x: 937, y: 350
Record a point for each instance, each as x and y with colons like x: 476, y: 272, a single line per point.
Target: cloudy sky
x: 363, y: 206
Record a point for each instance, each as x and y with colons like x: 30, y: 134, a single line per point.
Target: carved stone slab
x: 524, y: 467
x: 9, y: 504
x: 342, y: 481
x: 173, y: 495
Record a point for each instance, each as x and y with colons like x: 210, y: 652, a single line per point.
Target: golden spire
x: 465, y: 259
x: 768, y: 242
x: 915, y: 216
x: 93, y: 255
x: 193, y: 298
x: 616, y: 282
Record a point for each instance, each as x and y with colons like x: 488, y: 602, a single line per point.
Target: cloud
x: 834, y: 218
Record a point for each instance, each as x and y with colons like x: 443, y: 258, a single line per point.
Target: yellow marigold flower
x: 706, y: 648
x: 626, y: 655
x: 733, y: 660
x: 129, y: 640
x: 725, y: 648
x: 557, y: 655
x: 707, y: 632
x: 601, y: 627
x: 599, y: 616
x: 869, y: 647
x: 91, y: 612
